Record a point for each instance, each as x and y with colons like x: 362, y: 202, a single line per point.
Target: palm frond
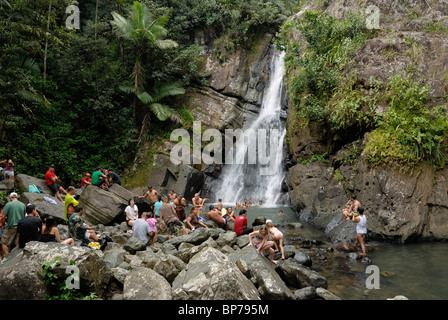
x: 162, y: 112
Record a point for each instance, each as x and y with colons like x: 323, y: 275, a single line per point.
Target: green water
x: 418, y: 271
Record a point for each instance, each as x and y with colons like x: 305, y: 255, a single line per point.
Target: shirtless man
x: 197, y: 201
x: 153, y: 195
x: 179, y: 205
x: 215, y: 215
x: 351, y: 207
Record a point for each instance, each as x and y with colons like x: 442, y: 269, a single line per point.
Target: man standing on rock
x: 361, y: 229
x: 179, y: 205
x: 152, y: 194
x: 172, y: 222
x: 13, y: 212
x: 197, y: 202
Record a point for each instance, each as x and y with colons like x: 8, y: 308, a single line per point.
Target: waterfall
x: 259, y: 179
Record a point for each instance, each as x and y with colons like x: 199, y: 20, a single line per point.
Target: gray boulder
x: 43, y: 207
x: 299, y: 276
x: 105, y: 207
x: 20, y: 271
x: 146, y: 284
x: 211, y: 275
x: 266, y: 279
x: 133, y: 245
x: 22, y: 181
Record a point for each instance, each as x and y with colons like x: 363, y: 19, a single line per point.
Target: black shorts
x: 54, y: 187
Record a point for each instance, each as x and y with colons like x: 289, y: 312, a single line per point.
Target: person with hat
x: 51, y: 181
x: 86, y: 181
x: 13, y: 212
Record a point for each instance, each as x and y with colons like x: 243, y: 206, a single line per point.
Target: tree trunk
x: 46, y: 44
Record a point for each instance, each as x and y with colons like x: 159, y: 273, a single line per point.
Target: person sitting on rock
x: 50, y: 232
x: 215, y: 215
x: 277, y: 235
x: 86, y: 181
x: 169, y: 217
x: 113, y: 177
x: 261, y: 242
x: 193, y: 220
x: 131, y: 212
x: 240, y: 225
x: 70, y: 203
x: 78, y: 230
x: 351, y: 207
x: 152, y: 221
x: 99, y: 179
x: 51, y: 180
x: 141, y: 229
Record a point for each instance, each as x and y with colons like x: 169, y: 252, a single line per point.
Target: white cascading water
x: 245, y: 180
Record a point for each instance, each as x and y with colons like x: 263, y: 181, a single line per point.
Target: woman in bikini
x: 277, y: 235
x: 261, y: 242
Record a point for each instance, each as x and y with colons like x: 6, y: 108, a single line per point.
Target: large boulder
x: 21, y: 273
x: 266, y: 279
x: 22, y: 181
x: 211, y: 275
x: 44, y: 207
x: 146, y: 284
x: 300, y: 276
x: 105, y: 207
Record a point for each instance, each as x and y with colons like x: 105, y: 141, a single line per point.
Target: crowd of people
x: 21, y: 224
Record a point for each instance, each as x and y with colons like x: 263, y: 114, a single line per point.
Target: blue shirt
x: 157, y: 205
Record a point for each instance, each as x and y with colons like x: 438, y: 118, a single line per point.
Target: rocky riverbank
x: 210, y: 264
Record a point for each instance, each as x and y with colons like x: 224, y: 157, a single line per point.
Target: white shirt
x: 132, y: 212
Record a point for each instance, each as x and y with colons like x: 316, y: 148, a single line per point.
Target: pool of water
x: 418, y: 271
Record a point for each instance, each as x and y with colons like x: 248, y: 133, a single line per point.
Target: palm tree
x: 154, y: 100
x: 143, y: 30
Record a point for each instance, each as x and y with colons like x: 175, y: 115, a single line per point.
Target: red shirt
x: 48, y: 176
x: 84, y: 180
x: 239, y: 224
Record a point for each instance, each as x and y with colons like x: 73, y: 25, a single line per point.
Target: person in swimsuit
x: 351, y: 207
x: 215, y: 215
x: 197, y: 202
x: 261, y: 242
x: 50, y: 232
x: 277, y: 235
x: 361, y: 229
x: 179, y: 205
